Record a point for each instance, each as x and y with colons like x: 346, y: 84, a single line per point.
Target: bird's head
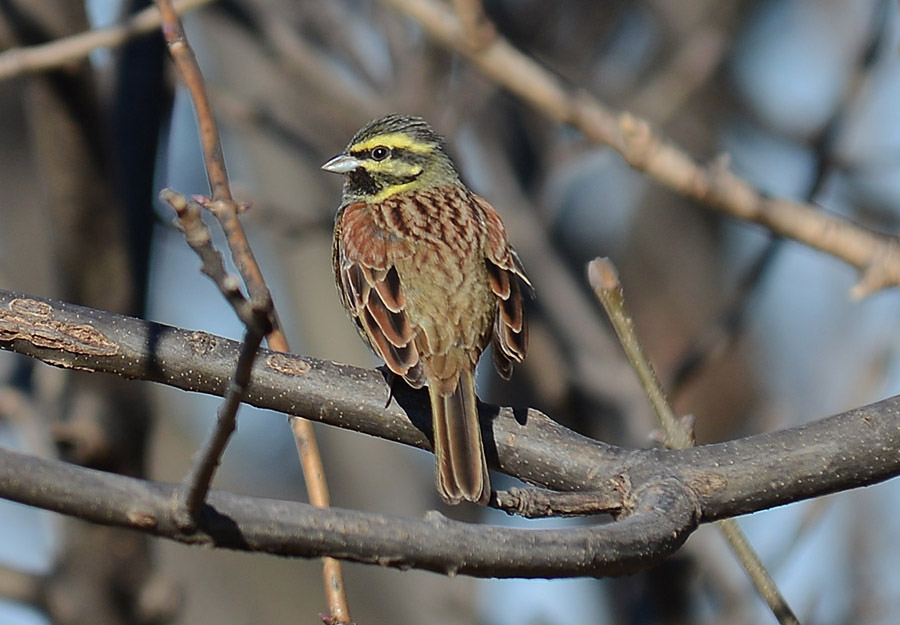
x: 391, y: 155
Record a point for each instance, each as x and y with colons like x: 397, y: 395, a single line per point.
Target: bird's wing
x: 370, y: 288
x: 507, y: 278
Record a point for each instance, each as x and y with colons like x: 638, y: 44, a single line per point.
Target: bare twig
x: 714, y: 185
x: 17, y: 61
x: 760, y: 577
x: 195, y: 486
x: 226, y: 211
x: 199, y: 239
x: 186, y: 62
x: 688, y: 69
x: 605, y: 282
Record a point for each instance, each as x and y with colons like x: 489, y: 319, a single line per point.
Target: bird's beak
x: 341, y: 164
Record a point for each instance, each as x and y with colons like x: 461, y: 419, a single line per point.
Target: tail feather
x: 461, y: 467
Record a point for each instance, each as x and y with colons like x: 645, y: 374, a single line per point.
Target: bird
x: 425, y: 270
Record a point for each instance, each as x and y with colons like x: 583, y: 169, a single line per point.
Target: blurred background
x: 749, y: 333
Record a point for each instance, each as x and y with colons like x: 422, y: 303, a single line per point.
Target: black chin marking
x: 360, y: 182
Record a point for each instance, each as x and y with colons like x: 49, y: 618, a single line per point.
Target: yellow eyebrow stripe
x: 393, y: 140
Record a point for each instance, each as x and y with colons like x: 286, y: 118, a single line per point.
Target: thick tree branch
x: 851, y: 449
x: 289, y: 528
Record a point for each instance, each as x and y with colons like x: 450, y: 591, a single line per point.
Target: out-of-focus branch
x: 21, y: 587
x: 37, y: 58
x: 714, y: 185
x: 691, y: 65
x: 716, y: 337
x: 478, y: 28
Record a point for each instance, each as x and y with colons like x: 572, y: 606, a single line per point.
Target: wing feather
x: 507, y: 279
x: 372, y: 293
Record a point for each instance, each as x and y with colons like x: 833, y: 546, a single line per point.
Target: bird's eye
x: 379, y: 153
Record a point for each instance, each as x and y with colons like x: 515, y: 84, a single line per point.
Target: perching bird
x: 425, y: 269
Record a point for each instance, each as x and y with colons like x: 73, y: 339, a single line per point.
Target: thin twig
x: 226, y: 211
x: 186, y: 62
x: 196, y: 484
x: 198, y: 237
x: 764, y: 583
x: 605, y: 282
x: 713, y: 185
x: 18, y: 61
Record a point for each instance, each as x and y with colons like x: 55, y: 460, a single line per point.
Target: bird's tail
x: 461, y: 468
